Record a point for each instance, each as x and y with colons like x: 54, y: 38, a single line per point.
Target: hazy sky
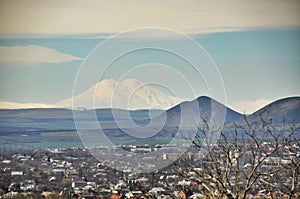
x: 191, y: 16
x: 254, y: 43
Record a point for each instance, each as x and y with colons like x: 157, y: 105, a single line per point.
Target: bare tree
x: 283, y: 176
x: 246, y: 160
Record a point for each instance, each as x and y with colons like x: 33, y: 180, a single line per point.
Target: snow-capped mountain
x: 129, y: 94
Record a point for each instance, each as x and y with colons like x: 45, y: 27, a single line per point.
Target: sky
x: 255, y: 45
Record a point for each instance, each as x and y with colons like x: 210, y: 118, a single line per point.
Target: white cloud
x: 14, y: 105
x: 249, y: 107
x: 33, y: 53
x: 191, y: 16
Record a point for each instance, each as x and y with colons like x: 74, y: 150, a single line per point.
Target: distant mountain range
x: 32, y: 125
x: 129, y: 94
x: 283, y: 110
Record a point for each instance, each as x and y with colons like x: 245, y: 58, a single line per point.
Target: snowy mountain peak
x: 107, y: 83
x: 125, y: 94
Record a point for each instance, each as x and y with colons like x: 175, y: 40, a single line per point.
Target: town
x: 75, y: 173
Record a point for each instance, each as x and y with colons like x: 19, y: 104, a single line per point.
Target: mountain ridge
x: 257, y: 112
x: 274, y: 109
x: 287, y: 109
x: 31, y: 125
